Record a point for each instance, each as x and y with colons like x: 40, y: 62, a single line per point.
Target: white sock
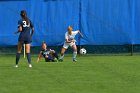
x: 74, y: 54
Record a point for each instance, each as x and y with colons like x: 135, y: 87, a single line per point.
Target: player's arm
x: 19, y: 27
x: 39, y: 56
x: 52, y: 51
x: 32, y: 28
x: 67, y: 40
x: 16, y: 32
x: 80, y: 33
x: 19, y: 30
x: 32, y: 31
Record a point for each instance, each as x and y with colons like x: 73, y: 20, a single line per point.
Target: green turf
x: 91, y: 74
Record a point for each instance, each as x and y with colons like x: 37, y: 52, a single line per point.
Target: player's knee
x: 75, y: 49
x: 19, y: 51
x: 52, y: 51
x: 27, y: 51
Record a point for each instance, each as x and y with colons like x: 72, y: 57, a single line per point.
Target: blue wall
x: 103, y: 22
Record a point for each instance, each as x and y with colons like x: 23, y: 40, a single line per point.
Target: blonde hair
x: 69, y: 27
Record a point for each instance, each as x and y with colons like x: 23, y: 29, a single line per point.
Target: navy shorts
x: 49, y: 59
x: 25, y: 42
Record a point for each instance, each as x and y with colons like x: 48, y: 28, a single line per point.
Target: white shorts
x: 66, y: 45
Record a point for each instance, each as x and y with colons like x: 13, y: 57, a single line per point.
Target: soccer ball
x: 83, y: 51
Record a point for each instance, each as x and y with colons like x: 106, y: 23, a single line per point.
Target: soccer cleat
x: 30, y: 65
x: 16, y: 66
x: 60, y: 59
x: 74, y: 60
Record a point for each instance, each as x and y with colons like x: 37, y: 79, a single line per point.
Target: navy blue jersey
x: 45, y: 52
x: 25, y: 34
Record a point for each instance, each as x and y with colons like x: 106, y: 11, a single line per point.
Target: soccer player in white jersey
x: 70, y: 41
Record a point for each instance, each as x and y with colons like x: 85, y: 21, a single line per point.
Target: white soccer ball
x: 83, y: 51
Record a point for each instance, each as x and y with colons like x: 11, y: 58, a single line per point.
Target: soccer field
x: 91, y: 74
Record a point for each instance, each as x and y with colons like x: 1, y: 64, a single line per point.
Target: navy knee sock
x: 17, y: 58
x: 29, y: 58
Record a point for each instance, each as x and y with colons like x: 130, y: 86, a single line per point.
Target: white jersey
x: 72, y: 36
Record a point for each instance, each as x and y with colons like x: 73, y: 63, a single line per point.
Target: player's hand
x: 68, y: 41
x: 73, y: 41
x: 16, y: 32
x: 81, y: 35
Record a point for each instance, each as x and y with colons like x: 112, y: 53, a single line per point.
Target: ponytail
x: 27, y: 20
x: 24, y: 16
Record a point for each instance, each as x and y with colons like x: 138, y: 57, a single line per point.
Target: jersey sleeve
x: 41, y: 52
x: 66, y: 35
x: 31, y: 24
x: 19, y: 23
x: 75, y: 32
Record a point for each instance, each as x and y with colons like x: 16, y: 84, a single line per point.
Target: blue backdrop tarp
x: 102, y: 22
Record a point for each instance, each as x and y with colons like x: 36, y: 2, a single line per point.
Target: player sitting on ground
x: 48, y: 54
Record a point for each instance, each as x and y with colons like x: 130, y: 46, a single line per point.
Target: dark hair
x: 23, y: 14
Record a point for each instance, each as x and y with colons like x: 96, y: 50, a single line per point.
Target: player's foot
x: 55, y: 60
x: 61, y: 60
x: 74, y: 60
x: 16, y: 66
x: 30, y: 65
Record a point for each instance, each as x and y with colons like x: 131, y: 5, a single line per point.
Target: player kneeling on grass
x: 70, y: 41
x: 48, y: 54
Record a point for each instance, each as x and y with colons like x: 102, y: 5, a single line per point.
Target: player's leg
x: 74, y: 52
x: 62, y: 54
x: 28, y: 54
x: 49, y: 58
x: 65, y: 47
x: 54, y: 55
x: 18, y: 53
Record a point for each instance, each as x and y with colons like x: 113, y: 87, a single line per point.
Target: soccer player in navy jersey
x: 49, y: 54
x: 24, y: 26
